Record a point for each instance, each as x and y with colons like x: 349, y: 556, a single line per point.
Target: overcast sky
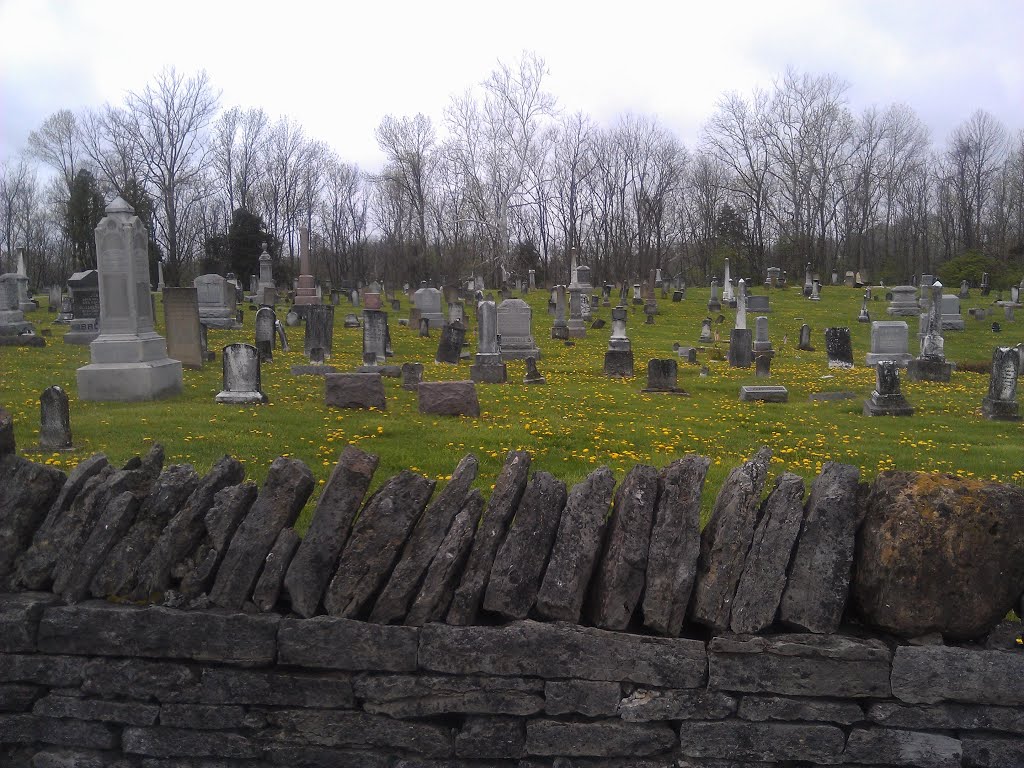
x: 338, y: 68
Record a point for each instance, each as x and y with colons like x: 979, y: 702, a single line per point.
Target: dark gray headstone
x: 241, y: 366
x: 319, y: 330
x: 449, y: 346
x: 838, y: 348
x: 741, y: 350
x: 266, y: 333
x: 54, y: 420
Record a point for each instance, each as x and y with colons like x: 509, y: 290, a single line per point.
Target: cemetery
x: 687, y: 537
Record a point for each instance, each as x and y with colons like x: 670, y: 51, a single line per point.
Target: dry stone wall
x: 153, y: 618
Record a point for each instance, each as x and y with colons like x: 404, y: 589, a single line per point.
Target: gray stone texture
x: 442, y: 577
x: 448, y: 398
x: 426, y: 695
x: 491, y: 737
x: 355, y: 390
x: 504, y: 501
x: 520, y: 561
x: 576, y: 548
x: 289, y: 483
x: 675, y: 545
x: 938, y: 553
x: 560, y: 651
x: 819, y: 575
x: 402, y: 587
x: 726, y: 540
x: 645, y: 704
x: 619, y: 581
x: 317, y: 557
x: 902, y: 748
x: 604, y: 738
x: 72, y: 583
x: 800, y: 665
x: 774, y: 742
x: 268, y: 586
x: 376, y: 541
x: 592, y: 698
x: 315, y: 643
x: 29, y: 490
x: 930, y: 675
x: 332, y: 728
x: 764, y: 573
x: 765, y: 708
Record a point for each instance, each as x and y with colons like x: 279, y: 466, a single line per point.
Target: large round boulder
x: 938, y: 553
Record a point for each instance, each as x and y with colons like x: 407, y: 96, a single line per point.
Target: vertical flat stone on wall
x: 118, y: 573
x: 289, y: 483
x: 764, y: 574
x: 619, y: 581
x: 577, y: 547
x: 195, y: 574
x: 431, y: 604
x: 819, y: 577
x: 519, y: 564
x: 185, y: 530
x: 401, y: 589
x: 29, y: 490
x: 268, y: 586
x: 317, y: 557
x: 725, y: 541
x: 73, y: 486
x: 675, y: 545
x: 508, y: 490
x: 377, y: 538
x: 113, y: 524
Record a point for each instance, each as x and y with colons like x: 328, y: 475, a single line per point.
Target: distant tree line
x: 508, y: 182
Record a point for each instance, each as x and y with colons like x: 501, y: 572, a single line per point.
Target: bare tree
x: 975, y: 154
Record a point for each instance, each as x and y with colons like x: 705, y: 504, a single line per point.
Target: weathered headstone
x: 181, y: 321
x: 428, y: 303
x: 412, y: 375
x: 66, y: 313
x: 887, y: 399
x: 714, y: 304
x: 728, y: 294
x: 12, y: 318
x: 54, y: 420
x: 576, y: 327
x: 864, y: 316
x: 533, y: 376
x: 375, y: 337
x: 931, y: 364
x: 706, y: 334
x: 129, y: 359
x: 904, y: 301
x: 741, y: 350
x: 952, y: 320
x: 488, y: 366
x: 662, y: 376
x: 217, y: 305
x: 889, y: 341
x: 560, y: 326
x: 448, y: 398
x: 1001, y: 401
x: 319, y: 332
x: 805, y: 338
x: 266, y: 333
x: 53, y: 298
x: 241, y: 367
x: 838, y: 348
x: 305, y: 290
x: 768, y: 393
x: 618, y: 359
x: 355, y: 390
x: 449, y: 345
x: 515, y: 330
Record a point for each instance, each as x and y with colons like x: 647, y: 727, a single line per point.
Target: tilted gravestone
x: 449, y: 346
x: 242, y: 384
x: 1001, y: 401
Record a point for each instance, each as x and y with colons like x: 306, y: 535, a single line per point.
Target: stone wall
x: 151, y: 617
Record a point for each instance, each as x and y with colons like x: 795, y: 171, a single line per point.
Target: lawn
x: 576, y: 422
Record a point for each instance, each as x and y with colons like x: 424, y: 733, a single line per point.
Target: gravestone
x: 763, y: 365
x: 292, y: 318
x: 268, y: 296
x: 728, y: 295
x: 282, y: 337
x: 428, y: 303
x: 457, y: 312
x: 66, y: 313
x: 576, y: 328
x: 181, y: 322
x: 375, y: 337
x: 763, y: 352
x: 758, y: 305
x: 85, y: 307
x: 952, y: 320
x: 305, y: 290
x: 319, y: 331
x: 678, y: 295
x: 372, y: 298
x: 515, y: 330
x: 241, y: 374
x: 864, y: 316
x: 266, y: 330
x: 838, y: 348
x: 351, y: 321
x: 533, y: 376
x: 741, y: 306
x: 815, y: 291
x: 448, y: 398
x: 217, y: 305
x: 355, y: 390
x: 637, y: 297
x: 930, y: 364
x: 204, y: 345
x: 1001, y: 401
x: 488, y: 366
x: 560, y: 326
x: 533, y: 279
x: 887, y: 399
x: 741, y: 351
x: 54, y: 420
x: 412, y: 375
x: 714, y: 304
x: 424, y: 328
x: 25, y: 302
x: 618, y: 359
x: 808, y: 281
x: 965, y: 290
x: 129, y: 360
x: 889, y: 341
x: 706, y: 335
x: 766, y: 393
x: 774, y: 277
x: 12, y: 318
x: 53, y: 298
x: 805, y: 338
x: 903, y: 302
x: 449, y: 346
x: 663, y: 376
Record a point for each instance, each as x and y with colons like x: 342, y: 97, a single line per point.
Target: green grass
x: 577, y: 422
